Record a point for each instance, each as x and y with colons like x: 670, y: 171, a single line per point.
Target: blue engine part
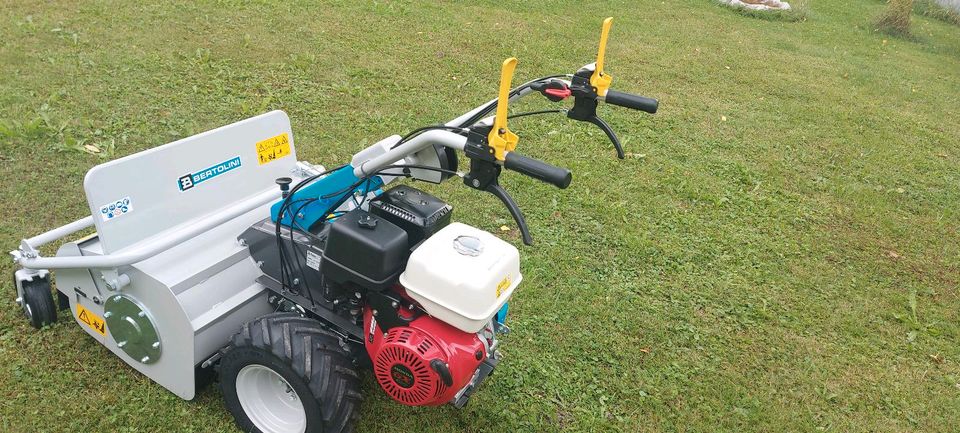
x: 501, y: 316
x: 310, y: 203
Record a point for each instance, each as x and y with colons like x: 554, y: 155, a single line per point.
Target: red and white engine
x: 460, y: 278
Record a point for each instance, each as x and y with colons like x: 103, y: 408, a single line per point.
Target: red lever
x: 563, y: 93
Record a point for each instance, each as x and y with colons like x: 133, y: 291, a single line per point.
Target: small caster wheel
x: 37, y: 303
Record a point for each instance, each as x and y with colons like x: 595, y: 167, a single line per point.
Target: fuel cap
x: 468, y: 245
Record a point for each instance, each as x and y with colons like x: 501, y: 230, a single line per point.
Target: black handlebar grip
x: 537, y: 169
x: 635, y: 102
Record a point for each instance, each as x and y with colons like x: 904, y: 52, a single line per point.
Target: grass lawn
x: 778, y: 252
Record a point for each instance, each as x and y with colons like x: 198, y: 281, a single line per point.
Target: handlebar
x: 537, y: 169
x: 629, y: 100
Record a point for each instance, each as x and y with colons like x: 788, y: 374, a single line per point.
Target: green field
x: 779, y: 251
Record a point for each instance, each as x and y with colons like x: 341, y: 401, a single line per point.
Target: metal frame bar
x: 145, y: 249
x: 59, y: 232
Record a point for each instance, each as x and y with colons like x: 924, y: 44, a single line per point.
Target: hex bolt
x: 120, y: 344
x: 375, y: 313
x: 242, y: 242
x: 155, y: 345
x: 394, y: 304
x: 19, y: 301
x: 142, y: 314
x: 476, y: 183
x: 108, y: 314
x: 145, y: 359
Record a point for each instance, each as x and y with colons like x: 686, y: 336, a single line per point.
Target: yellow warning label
x: 503, y: 286
x: 273, y: 148
x: 92, y: 320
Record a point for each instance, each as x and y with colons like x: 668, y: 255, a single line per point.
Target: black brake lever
x: 584, y: 102
x: 585, y: 107
x: 596, y: 120
x: 483, y: 175
x: 497, y: 190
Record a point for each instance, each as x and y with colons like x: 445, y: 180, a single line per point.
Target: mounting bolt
x: 155, y: 345
x: 242, y: 242
x: 296, y: 281
x: 142, y: 314
x: 476, y: 183
x: 120, y: 344
x: 108, y: 314
x: 259, y: 263
x: 145, y: 359
x: 394, y: 304
x: 375, y: 313
x: 19, y: 301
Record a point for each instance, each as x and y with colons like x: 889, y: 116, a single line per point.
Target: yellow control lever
x: 501, y: 139
x: 599, y: 80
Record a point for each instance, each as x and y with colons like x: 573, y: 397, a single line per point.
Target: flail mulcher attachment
x: 223, y: 255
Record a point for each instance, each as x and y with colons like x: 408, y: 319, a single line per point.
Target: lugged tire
x: 308, y: 357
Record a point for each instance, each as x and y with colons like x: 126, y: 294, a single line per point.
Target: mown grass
x: 779, y: 251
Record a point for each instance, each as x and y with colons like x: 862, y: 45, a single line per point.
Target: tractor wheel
x: 285, y: 373
x: 37, y: 303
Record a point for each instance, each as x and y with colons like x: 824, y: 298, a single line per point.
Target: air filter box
x: 416, y: 212
x: 365, y: 250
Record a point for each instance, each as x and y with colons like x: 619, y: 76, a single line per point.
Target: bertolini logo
x: 191, y: 180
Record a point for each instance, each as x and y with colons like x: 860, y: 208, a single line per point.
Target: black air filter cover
x: 365, y: 250
x: 418, y: 213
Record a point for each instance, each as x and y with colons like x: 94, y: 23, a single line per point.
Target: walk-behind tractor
x: 222, y: 254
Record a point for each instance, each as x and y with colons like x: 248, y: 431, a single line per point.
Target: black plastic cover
x: 418, y: 213
x: 365, y: 250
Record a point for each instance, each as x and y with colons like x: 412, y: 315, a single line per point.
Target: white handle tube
x: 59, y: 232
x: 392, y: 156
x: 153, y: 246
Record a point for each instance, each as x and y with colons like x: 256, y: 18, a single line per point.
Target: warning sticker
x: 504, y: 285
x: 313, y: 260
x: 273, y: 148
x: 94, y: 321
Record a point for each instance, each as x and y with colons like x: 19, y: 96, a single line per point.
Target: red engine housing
x: 402, y: 359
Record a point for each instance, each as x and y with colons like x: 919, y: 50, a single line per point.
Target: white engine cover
x: 462, y: 275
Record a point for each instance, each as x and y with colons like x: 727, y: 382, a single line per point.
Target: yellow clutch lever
x: 599, y: 80
x: 501, y: 139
